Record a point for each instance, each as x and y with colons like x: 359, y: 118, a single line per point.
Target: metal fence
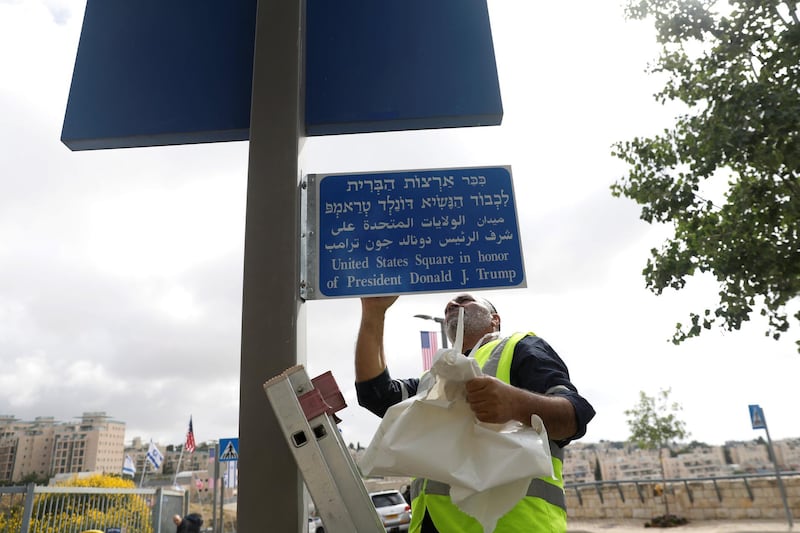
x: 35, y: 509
x: 766, y: 496
x: 666, y: 484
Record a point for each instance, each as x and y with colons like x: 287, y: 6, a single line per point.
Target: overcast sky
x: 121, y: 270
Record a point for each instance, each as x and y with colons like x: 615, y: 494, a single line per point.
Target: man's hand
x: 497, y: 402
x: 377, y: 304
x: 491, y: 400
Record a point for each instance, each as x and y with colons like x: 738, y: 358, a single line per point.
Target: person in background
x: 523, y: 376
x: 406, y: 492
x: 191, y: 523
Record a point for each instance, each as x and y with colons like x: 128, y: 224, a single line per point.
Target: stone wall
x: 723, y: 499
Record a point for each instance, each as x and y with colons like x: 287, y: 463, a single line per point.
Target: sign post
x: 759, y: 421
x: 273, y: 318
x: 212, y: 457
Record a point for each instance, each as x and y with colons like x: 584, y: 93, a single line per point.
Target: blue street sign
x: 153, y: 73
x: 412, y: 231
x: 388, y: 66
x: 757, y: 417
x: 228, y: 449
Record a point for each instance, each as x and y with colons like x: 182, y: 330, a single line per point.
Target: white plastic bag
x: 435, y: 435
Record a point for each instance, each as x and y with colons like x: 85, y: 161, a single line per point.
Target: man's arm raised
x: 370, y: 360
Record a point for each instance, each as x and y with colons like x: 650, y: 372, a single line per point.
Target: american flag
x: 430, y: 343
x: 189, y: 446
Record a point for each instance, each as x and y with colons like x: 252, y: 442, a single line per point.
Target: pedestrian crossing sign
x: 229, y: 449
x: 757, y: 417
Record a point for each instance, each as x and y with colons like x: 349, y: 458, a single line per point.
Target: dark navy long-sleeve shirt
x: 535, y: 367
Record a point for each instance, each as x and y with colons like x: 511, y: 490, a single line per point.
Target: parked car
x: 315, y: 525
x: 393, y: 509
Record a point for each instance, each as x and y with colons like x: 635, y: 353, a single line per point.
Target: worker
x: 522, y: 376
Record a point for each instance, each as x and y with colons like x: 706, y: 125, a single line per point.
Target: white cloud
x: 121, y: 270
x: 25, y: 379
x: 61, y: 10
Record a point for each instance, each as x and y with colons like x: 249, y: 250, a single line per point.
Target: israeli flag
x: 230, y: 477
x: 128, y: 467
x: 154, y: 456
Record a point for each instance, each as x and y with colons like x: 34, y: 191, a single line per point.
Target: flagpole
x: 189, y: 441
x: 175, y: 479
x: 144, y: 471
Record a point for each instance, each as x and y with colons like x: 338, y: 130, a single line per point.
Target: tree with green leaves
x: 654, y: 425
x: 735, y: 67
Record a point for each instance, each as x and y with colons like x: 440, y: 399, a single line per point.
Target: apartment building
x: 45, y: 447
x: 624, y: 461
x: 95, y: 444
x: 25, y: 447
x: 788, y: 453
x: 695, y: 462
x: 751, y: 456
x: 582, y: 462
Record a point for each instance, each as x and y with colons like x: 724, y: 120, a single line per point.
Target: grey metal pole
x: 221, y: 484
x: 778, y: 474
x: 270, y: 484
x: 144, y: 471
x: 158, y: 509
x: 178, y: 467
x: 27, y: 509
x: 212, y: 450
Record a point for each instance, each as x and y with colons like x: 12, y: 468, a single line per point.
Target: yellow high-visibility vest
x: 542, y: 510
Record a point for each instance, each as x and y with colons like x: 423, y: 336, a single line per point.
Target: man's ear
x: 496, y: 322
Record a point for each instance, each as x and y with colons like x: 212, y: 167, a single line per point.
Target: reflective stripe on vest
x: 538, y: 488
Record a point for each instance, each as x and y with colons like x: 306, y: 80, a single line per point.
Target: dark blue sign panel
x: 383, y: 65
x: 414, y: 231
x: 160, y: 72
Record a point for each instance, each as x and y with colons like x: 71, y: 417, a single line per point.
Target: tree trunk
x: 663, y: 481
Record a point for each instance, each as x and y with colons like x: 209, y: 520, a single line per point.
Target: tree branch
x: 792, y: 14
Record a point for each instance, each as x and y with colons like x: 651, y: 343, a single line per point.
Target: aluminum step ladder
x: 305, y: 411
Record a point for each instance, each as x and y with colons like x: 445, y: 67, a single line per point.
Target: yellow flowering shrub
x: 54, y: 513
x: 11, y: 518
